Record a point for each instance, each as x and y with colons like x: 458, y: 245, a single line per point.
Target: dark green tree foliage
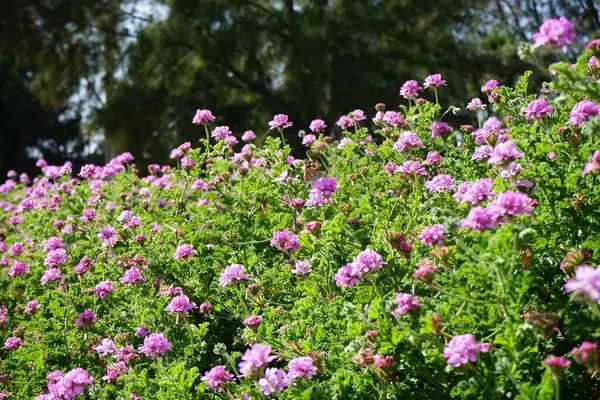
x: 29, y: 130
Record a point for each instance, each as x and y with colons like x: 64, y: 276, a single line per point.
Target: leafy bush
x: 412, y: 260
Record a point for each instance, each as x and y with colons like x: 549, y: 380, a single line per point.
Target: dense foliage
x: 415, y: 260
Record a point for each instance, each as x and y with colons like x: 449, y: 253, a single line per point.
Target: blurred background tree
x: 134, y: 71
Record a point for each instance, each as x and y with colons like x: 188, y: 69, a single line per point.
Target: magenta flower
x: 411, y: 167
x: 178, y: 152
x: 593, y: 165
x: 367, y: 261
x: 490, y: 85
x: 51, y: 274
x: 433, y: 234
x: 301, y: 367
x: 583, y: 111
x: 106, y: 348
x: 434, y: 80
x: 587, y: 353
x: 274, y: 380
x: 476, y: 104
x: 511, y: 203
x: 13, y: 343
x: 248, y: 136
x: 284, y: 240
x: 585, y: 284
x: 104, y: 288
x: 345, y: 122
x: 557, y: 362
x: 184, y: 251
x: 357, y: 115
x: 53, y: 243
x: 203, y: 117
x: 220, y: 132
x: 410, y: 89
x: 108, y: 236
x: 322, y: 191
x: 480, y: 218
x: 113, y: 371
x: 86, y: 318
x: 255, y: 358
x: 233, y: 274
x: 482, y: 153
x: 252, y: 321
x: 475, y: 192
x: 57, y: 257
x: 317, y: 125
x: 31, y: 306
x: 131, y: 276
x: 180, y: 304
x: 83, y: 266
x: 439, y: 128
x: 18, y: 268
x: 425, y: 272
x: 406, y: 303
x: 393, y: 118
x: 217, y: 377
x: 280, y: 121
x: 70, y: 385
x: 155, y: 344
x: 557, y: 32
x: 347, y: 276
x: 408, y: 141
x: 464, y: 348
x: 433, y: 158
x: 301, y: 268
x: 440, y: 183
x: 505, y: 153
x: 552, y: 156
x: 537, y: 109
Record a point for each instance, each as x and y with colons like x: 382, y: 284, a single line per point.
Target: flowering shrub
x: 409, y: 259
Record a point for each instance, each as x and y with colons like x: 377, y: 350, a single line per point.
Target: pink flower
x: 406, y: 303
x: 433, y: 158
x: 181, y: 150
x: 557, y: 362
x: 31, y: 306
x: 393, y: 118
x: 184, y: 251
x: 180, y: 304
x: 106, y: 348
x: 274, y: 380
x: 154, y: 345
x: 205, y: 307
x: 56, y: 257
x: 347, y: 276
x: 108, y: 236
x: 411, y: 167
x: 113, y: 371
x: 511, y: 203
x: 233, y: 274
x: 474, y: 192
x: 86, y: 318
x: 131, y: 276
x: 490, y: 85
x: 557, y: 32
x: 104, y: 288
x: 433, y: 234
x: 301, y: 268
x: 248, y: 136
x: 322, y: 191
x: 439, y: 128
x: 381, y: 361
x: 280, y: 121
x: 284, y: 240
x: 367, y: 261
x: 440, y: 183
x: 464, y: 348
x: 217, y: 377
x: 53, y: 243
x: 203, y: 117
x: 83, y: 266
x: 425, y: 272
x: 410, y: 89
x: 434, y: 80
x: 476, y: 104
x: 51, y: 274
x: 585, y: 283
x: 255, y: 358
x: 301, y: 367
x: 309, y: 139
x: 505, y: 153
x: 70, y: 385
x: 480, y: 218
x: 408, y: 141
x: 593, y: 164
x: 586, y: 354
x: 482, y: 152
x: 317, y: 125
x: 537, y: 109
x: 13, y: 343
x: 220, y: 132
x: 583, y: 111
x: 252, y: 321
x: 345, y: 122
x: 552, y: 156
x: 18, y: 268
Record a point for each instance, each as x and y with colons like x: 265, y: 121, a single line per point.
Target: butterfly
x: 312, y: 172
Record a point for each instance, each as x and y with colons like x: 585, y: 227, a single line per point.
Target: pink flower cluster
x: 463, y: 348
x: 365, y: 262
x: 66, y: 386
x: 557, y: 32
x: 284, y: 240
x: 322, y: 191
